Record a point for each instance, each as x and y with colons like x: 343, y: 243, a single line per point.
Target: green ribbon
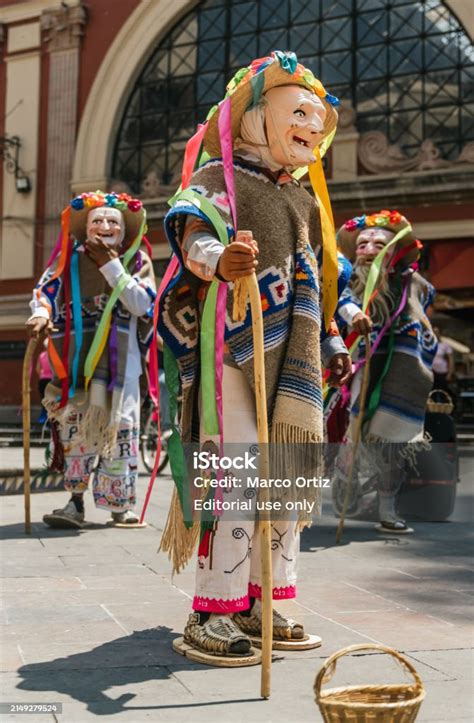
x: 208, y: 320
x: 376, y: 266
x: 100, y: 337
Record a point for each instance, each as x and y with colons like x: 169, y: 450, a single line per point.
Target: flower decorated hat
x: 131, y: 208
x: 250, y: 83
x: 391, y: 221
x: 222, y: 127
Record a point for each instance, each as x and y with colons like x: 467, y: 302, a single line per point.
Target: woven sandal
x: 283, y: 628
x: 129, y: 517
x: 67, y: 518
x: 218, y: 636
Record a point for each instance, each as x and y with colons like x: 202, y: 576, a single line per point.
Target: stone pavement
x: 88, y: 618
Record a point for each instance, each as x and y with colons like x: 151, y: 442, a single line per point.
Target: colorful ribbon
x: 225, y: 136
x: 330, y: 266
x: 101, y: 335
x: 208, y: 322
x: 193, y: 146
x: 77, y: 316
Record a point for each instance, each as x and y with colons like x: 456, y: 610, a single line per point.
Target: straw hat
x: 250, y: 83
x: 131, y: 208
x: 390, y: 220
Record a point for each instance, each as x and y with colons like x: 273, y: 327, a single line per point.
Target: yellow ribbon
x: 330, y: 267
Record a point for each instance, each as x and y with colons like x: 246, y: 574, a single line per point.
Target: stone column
x: 63, y: 29
x: 344, y: 146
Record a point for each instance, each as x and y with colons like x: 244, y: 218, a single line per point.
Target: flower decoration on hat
x: 289, y: 63
x: 131, y: 208
x: 391, y: 220
x: 382, y: 219
x: 121, y: 201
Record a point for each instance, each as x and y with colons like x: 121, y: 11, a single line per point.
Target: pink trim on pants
x: 212, y: 605
x: 278, y: 593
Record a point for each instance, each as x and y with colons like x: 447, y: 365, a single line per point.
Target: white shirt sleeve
x: 134, y: 296
x: 40, y: 307
x: 203, y: 254
x: 348, y: 311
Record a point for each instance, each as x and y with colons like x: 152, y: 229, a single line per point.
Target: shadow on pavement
x: 40, y: 530
x: 87, y: 676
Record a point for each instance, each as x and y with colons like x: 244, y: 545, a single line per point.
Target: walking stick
x: 30, y: 350
x: 264, y: 526
x: 356, y: 440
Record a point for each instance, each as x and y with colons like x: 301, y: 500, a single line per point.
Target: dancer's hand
x: 38, y: 326
x: 238, y: 258
x: 100, y: 252
x: 361, y: 323
x: 340, y: 368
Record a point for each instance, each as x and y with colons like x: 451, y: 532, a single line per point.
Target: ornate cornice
x: 453, y: 185
x: 63, y: 28
x: 377, y: 155
x: 347, y: 117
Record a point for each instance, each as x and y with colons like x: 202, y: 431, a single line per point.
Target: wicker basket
x: 363, y: 703
x: 445, y: 407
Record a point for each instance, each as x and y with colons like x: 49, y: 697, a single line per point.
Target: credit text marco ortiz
x: 212, y: 461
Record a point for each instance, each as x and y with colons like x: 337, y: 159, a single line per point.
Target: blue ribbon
x: 257, y: 83
x: 77, y: 318
x: 332, y: 99
x: 288, y: 61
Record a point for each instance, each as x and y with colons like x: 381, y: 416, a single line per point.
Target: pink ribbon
x: 384, y: 329
x: 191, y: 153
x: 225, y: 135
x: 56, y: 250
x: 154, y: 384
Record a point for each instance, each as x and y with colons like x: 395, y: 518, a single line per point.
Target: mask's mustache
x: 383, y: 304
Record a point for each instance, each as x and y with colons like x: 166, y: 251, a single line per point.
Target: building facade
x: 104, y: 94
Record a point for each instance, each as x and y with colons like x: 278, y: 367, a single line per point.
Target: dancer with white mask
x: 95, y: 301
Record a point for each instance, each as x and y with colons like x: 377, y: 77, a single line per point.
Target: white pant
x: 228, y: 569
x: 114, y: 483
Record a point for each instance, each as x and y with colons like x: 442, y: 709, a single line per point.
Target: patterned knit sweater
x: 285, y: 222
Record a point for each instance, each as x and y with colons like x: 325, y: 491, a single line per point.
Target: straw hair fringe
x: 178, y: 540
x: 94, y: 424
x: 110, y: 440
x: 55, y: 413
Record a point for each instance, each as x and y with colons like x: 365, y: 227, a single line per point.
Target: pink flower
x: 350, y: 225
x: 134, y: 205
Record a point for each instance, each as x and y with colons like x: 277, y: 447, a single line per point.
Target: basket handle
x: 440, y: 391
x: 329, y: 666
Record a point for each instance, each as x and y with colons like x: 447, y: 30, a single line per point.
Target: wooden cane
x: 27, y: 361
x: 357, y: 436
x: 264, y: 525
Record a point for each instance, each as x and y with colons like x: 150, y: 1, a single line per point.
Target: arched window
x: 406, y: 67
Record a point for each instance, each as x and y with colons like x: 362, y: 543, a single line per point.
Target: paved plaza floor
x: 89, y: 618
